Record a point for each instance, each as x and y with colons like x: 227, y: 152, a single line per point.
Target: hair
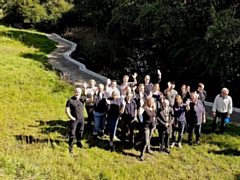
x: 157, y: 85
x: 151, y: 99
x: 194, y: 93
x: 166, y: 101
x: 201, y: 85
x: 115, y: 92
x: 114, y: 81
x: 91, y: 80
x: 172, y: 82
x: 225, y: 90
x: 178, y: 97
x: 125, y: 76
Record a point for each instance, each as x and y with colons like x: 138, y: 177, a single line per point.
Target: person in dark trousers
x: 74, y: 110
x: 129, y: 118
x: 196, y: 118
x: 116, y: 107
x: 202, y: 94
x: 149, y: 120
x: 165, y: 119
x: 222, y: 109
x: 180, y: 110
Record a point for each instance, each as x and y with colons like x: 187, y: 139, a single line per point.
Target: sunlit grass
x: 33, y: 125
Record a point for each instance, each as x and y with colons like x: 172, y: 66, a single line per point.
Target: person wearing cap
x: 74, y: 110
x: 222, y: 109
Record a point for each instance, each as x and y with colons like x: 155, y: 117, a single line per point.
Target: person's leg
x: 96, y: 125
x: 112, y: 124
x: 174, y: 132
x: 115, y: 128
x: 73, y: 125
x: 149, y: 141
x: 145, y: 142
x: 198, y: 133
x: 215, y: 121
x: 180, y: 132
x: 166, y: 141
x: 223, y: 117
x: 89, y: 110
x: 132, y: 127
x: 124, y: 129
x: 102, y: 124
x: 80, y: 129
x: 161, y: 139
x: 190, y: 133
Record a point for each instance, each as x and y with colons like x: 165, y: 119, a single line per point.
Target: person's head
x: 194, y: 96
x: 179, y: 100
x: 147, y: 79
x: 141, y: 87
x: 125, y: 78
x: 100, y: 88
x: 151, y: 103
x: 184, y: 88
x: 224, y: 92
x: 77, y: 92
x: 113, y: 83
x: 128, y: 96
x: 156, y: 87
x: 128, y: 89
x: 200, y: 86
x: 115, y: 94
x: 91, y: 83
x: 172, y: 85
x: 165, y: 103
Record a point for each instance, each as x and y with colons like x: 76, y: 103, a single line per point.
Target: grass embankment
x: 33, y: 125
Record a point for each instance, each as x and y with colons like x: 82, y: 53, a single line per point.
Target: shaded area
x: 227, y: 152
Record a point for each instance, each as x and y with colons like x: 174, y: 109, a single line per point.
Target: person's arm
x: 159, y: 76
x: 214, y: 108
x: 85, y: 88
x: 68, y: 112
x: 90, y: 99
x: 123, y: 107
x: 230, y: 108
x: 134, y: 78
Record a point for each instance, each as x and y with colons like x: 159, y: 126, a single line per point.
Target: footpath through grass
x: 33, y: 127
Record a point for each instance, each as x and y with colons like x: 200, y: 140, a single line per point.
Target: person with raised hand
x: 171, y: 93
x: 125, y: 83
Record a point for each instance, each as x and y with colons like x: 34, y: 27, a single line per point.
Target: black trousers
x: 125, y: 124
x: 164, y: 137
x: 76, y: 129
x: 194, y: 128
x: 219, y: 116
x: 89, y: 110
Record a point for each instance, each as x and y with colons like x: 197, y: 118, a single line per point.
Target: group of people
x: 146, y: 108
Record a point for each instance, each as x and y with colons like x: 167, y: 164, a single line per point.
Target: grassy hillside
x: 33, y: 127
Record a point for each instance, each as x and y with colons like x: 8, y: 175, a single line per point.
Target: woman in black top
x: 149, y: 118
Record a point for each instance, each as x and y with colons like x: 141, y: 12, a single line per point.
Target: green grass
x: 33, y: 125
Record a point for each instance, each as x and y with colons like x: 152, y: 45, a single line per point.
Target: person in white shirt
x: 222, y: 109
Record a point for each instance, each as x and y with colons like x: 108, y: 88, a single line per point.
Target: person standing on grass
x: 125, y: 83
x: 165, y: 118
x: 129, y: 118
x: 116, y: 107
x: 74, y: 110
x: 149, y: 117
x: 180, y: 110
x: 89, y: 90
x: 222, y: 109
x: 99, y: 111
x: 196, y: 118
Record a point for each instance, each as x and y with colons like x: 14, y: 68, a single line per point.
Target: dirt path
x: 57, y: 59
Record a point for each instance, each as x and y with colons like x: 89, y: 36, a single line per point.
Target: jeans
x: 180, y: 130
x: 99, y: 122
x: 113, y: 124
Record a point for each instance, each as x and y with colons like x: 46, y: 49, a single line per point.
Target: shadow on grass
x: 227, y: 152
x: 33, y: 140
